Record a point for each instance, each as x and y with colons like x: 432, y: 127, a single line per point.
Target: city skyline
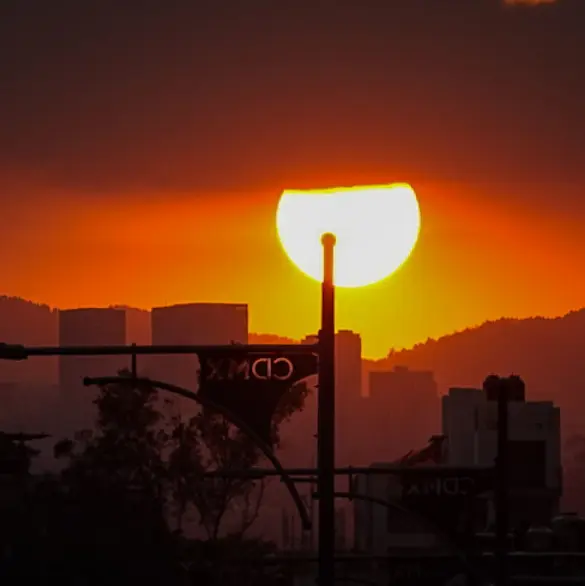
x: 276, y: 335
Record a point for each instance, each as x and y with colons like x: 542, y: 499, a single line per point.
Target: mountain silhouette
x: 549, y: 354
x: 34, y: 324
x: 270, y: 339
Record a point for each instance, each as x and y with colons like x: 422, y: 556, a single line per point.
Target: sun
x: 376, y: 229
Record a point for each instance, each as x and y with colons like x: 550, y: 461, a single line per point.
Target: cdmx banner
x: 445, y: 496
x: 250, y: 385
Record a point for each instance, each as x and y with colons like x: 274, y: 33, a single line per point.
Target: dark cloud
x: 529, y: 2
x: 103, y: 95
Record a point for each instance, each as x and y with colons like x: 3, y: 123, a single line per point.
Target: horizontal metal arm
x: 20, y: 352
x: 373, y: 470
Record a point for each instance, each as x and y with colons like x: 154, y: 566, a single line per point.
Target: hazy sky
x: 143, y: 146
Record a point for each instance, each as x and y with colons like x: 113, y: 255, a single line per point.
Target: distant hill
x: 29, y: 323
x: 549, y: 354
x: 270, y: 339
x: 26, y: 321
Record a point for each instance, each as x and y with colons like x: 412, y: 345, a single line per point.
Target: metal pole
x: 134, y: 367
x: 309, y: 474
x: 502, y: 485
x: 326, y: 419
x: 20, y: 352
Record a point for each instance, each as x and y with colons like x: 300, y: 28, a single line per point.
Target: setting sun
x: 376, y: 229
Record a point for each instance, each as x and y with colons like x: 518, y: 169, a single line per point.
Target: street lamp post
x: 326, y: 419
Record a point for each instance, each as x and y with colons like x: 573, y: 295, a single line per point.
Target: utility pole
x: 326, y: 419
x: 502, y: 493
x: 133, y: 365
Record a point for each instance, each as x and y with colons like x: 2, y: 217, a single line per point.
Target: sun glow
x: 376, y: 229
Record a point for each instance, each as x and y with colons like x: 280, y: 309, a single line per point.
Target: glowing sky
x: 475, y: 260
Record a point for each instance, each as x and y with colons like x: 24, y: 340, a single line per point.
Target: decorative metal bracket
x: 204, y: 402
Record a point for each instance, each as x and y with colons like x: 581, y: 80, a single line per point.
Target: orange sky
x: 475, y: 260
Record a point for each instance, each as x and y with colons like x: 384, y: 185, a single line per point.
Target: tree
x: 105, y: 517
x: 208, y: 442
x: 138, y: 451
x: 15, y: 455
x: 19, y: 530
x: 116, y: 484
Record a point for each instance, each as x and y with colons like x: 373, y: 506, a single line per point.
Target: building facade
x: 379, y: 528
x: 469, y: 420
x: 349, y: 399
x: 138, y: 330
x: 193, y: 324
x: 88, y: 327
x: 403, y: 408
x: 468, y: 443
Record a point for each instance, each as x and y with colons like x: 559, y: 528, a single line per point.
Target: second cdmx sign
x: 278, y: 368
x: 440, y: 486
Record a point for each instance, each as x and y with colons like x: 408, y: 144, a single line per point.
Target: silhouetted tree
x: 208, y: 563
x: 104, y: 517
x: 19, y: 530
x: 115, y: 481
x: 208, y: 442
x: 140, y: 465
x: 15, y: 454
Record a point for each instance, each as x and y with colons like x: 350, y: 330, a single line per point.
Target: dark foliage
x: 115, y: 513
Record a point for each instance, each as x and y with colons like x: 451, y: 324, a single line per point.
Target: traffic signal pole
x: 326, y: 419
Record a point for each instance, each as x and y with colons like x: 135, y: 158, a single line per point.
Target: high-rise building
x: 379, y: 528
x: 403, y: 380
x: 349, y: 400
x: 350, y: 442
x: 88, y: 327
x: 137, y: 325
x: 403, y: 410
x: 194, y: 324
x: 348, y: 363
x: 470, y: 425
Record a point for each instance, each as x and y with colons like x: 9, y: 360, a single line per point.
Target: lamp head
x: 328, y: 239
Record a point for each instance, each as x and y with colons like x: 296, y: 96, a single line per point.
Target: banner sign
x: 251, y: 385
x: 445, y: 482
x: 445, y: 496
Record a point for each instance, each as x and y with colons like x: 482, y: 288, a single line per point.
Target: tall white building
x: 469, y: 420
x: 469, y: 424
